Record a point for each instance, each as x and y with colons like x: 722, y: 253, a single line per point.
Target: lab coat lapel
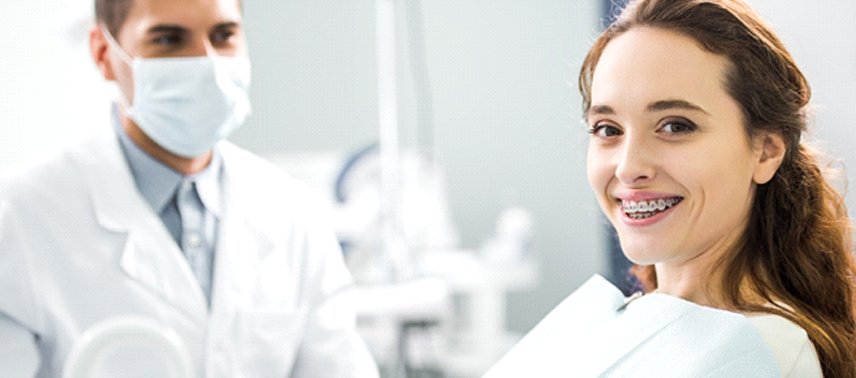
x: 240, y: 249
x: 149, y: 255
x: 243, y: 238
x: 242, y: 244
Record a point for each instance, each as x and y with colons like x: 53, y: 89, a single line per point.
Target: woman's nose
x: 636, y: 162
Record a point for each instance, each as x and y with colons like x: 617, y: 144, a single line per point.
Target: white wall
x: 507, y: 127
x: 509, y: 130
x: 50, y: 92
x: 821, y: 35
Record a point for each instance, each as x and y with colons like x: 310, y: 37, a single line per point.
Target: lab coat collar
x: 208, y: 185
x: 149, y: 255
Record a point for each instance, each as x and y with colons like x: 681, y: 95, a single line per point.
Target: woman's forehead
x: 648, y: 64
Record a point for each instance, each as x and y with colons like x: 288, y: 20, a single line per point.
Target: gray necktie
x: 197, y: 230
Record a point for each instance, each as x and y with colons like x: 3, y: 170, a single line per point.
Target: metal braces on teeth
x: 644, y: 209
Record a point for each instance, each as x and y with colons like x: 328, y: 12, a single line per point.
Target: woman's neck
x: 696, y: 280
x: 699, y: 277
x: 685, y: 284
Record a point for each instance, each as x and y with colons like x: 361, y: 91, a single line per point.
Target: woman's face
x: 669, y: 160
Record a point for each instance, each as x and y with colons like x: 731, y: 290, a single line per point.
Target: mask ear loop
x: 122, y: 55
x: 115, y: 45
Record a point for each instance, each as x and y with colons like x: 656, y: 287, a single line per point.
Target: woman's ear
x: 773, y: 150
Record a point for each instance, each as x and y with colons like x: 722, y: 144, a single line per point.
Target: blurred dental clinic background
x: 493, y: 219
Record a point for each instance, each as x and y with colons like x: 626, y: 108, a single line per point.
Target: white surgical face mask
x: 188, y: 104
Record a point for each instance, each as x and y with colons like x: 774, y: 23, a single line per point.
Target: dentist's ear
x: 100, y: 51
x: 773, y: 150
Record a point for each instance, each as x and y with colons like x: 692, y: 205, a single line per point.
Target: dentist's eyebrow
x: 167, y: 29
x: 226, y: 25
x: 674, y: 104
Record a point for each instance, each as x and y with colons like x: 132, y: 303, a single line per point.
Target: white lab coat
x: 593, y: 334
x: 79, y: 244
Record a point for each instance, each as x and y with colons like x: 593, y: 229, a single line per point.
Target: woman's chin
x: 643, y: 254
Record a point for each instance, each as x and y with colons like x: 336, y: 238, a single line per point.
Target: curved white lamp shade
x: 128, y: 346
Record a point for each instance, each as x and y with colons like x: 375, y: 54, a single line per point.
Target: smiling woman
x: 667, y: 130
x: 760, y: 230
x: 696, y: 113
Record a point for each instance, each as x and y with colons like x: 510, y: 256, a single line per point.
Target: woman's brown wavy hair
x: 795, y: 258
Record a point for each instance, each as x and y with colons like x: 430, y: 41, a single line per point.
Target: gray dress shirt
x: 189, y: 206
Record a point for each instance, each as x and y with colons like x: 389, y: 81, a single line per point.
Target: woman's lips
x: 646, y: 212
x: 648, y: 208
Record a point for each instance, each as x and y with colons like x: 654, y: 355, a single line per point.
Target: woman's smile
x: 647, y: 208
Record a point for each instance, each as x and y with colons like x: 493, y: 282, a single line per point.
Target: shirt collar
x: 158, y: 182
x: 208, y: 183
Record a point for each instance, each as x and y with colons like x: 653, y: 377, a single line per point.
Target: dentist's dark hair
x: 112, y: 13
x: 796, y: 255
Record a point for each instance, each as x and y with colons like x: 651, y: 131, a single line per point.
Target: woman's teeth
x: 645, y: 209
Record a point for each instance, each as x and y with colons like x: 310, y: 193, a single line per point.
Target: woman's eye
x: 678, y: 127
x: 605, y: 131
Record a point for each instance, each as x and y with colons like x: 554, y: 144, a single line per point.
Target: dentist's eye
x: 601, y: 130
x: 168, y: 40
x: 221, y: 37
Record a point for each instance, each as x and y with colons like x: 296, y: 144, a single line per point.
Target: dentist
x: 159, y: 217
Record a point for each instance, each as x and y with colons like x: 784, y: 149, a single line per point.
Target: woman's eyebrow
x: 674, y: 104
x: 655, y: 106
x: 598, y: 109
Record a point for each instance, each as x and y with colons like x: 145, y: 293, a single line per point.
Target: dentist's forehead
x: 186, y: 13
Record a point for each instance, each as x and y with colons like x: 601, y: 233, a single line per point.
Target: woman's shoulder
x: 789, y: 343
